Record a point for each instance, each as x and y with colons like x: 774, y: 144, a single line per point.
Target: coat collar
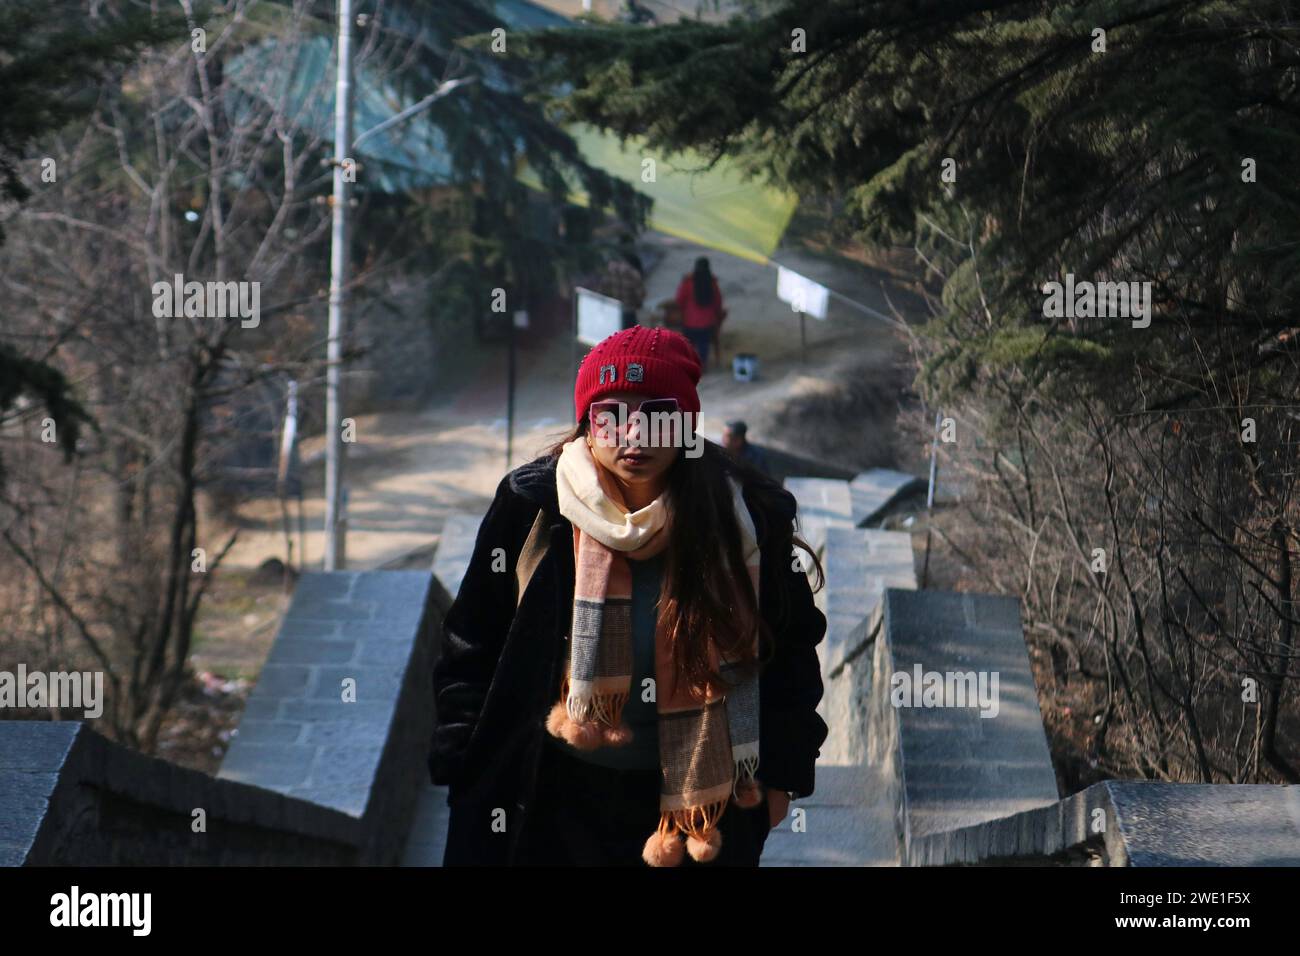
x: 535, y: 481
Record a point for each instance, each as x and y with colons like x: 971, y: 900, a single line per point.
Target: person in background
x: 636, y: 13
x: 700, y: 299
x: 738, y: 446
x: 623, y: 281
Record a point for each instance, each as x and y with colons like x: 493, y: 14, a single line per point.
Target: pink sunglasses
x: 605, y: 416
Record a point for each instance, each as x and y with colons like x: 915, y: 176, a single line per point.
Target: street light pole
x: 335, y: 450
x: 336, y: 517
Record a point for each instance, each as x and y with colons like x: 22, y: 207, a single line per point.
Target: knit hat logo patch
x: 656, y: 361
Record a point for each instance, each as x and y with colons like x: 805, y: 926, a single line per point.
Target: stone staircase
x: 939, y: 784
x: 930, y: 777
x: 959, y: 758
x: 324, y: 770
x: 850, y: 819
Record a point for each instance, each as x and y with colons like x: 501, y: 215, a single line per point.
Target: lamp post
x: 335, y: 449
x: 335, y: 453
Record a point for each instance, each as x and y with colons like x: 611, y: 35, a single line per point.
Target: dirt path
x: 408, y: 470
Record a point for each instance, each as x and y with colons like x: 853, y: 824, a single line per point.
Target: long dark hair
x: 705, y: 542
x: 703, y: 282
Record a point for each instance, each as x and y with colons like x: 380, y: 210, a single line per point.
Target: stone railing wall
x: 326, y: 768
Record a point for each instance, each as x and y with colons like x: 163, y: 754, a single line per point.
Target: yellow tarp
x: 714, y: 209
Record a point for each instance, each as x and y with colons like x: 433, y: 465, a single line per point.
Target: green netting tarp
x: 714, y: 208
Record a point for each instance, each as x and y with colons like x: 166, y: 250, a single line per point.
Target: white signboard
x: 802, y: 293
x: 599, y: 316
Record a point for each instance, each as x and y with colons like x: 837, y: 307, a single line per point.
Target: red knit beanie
x: 658, y: 362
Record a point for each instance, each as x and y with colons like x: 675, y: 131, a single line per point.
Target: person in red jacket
x: 700, y: 301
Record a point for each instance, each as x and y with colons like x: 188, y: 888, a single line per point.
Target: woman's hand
x: 778, y: 804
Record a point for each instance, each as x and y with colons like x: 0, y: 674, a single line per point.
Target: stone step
x: 860, y: 564
x: 959, y: 768
x: 847, y: 821
x: 822, y: 503
x: 1142, y: 823
x: 871, y: 492
x: 300, y: 734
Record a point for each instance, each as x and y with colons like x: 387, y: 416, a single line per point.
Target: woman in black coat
x: 523, y: 789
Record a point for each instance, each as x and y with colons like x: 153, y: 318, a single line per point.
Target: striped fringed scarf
x: 708, y: 748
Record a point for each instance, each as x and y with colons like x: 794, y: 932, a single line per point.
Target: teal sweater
x: 642, y: 753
